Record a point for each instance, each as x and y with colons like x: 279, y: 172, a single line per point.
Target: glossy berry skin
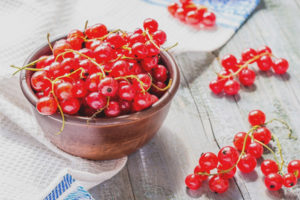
x: 159, y: 37
x: 113, y: 109
x: 265, y: 63
x: 294, y: 167
x: 126, y: 92
x: 192, y: 17
x: 64, y: 90
x: 255, y: 149
x: 289, y: 180
x: 108, y: 86
x: 208, y: 161
x: 247, y: 77
x: 247, y: 163
x: 239, y: 139
x: 231, y: 87
x: 229, y: 61
x: 150, y: 24
x: 248, y: 54
x: 141, y: 101
x: 119, y: 68
x: 199, y: 169
x: 216, y: 86
x: 39, y: 81
x: 139, y: 50
x: 46, y: 105
x: 125, y: 106
x: 218, y: 184
x: 160, y: 73
x: 264, y: 49
x: 228, y: 156
x: 172, y: 8
x: 149, y: 63
x: 79, y: 89
x: 92, y: 82
x: 273, y: 181
x: 226, y: 175
x: 96, y: 31
x: 60, y: 46
x: 256, y: 117
x: 192, y: 181
x: 223, y: 77
x: 96, y: 100
x: 268, y: 167
x: 280, y: 66
x: 103, y: 53
x: 263, y: 135
x: 180, y: 14
x: 70, y: 106
x: 145, y: 79
x: 209, y: 19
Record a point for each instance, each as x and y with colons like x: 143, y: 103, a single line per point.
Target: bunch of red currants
x: 96, y: 70
x: 251, y: 147
x: 192, y: 14
x: 239, y: 68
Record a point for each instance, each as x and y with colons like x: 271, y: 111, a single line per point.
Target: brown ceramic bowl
x: 103, y: 138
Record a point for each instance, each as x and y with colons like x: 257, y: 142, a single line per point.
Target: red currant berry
x: 96, y: 31
x: 208, y: 161
x: 46, y: 105
x: 119, y: 68
x: 60, y: 46
x: 92, y: 82
x: 75, y: 42
x: 255, y: 149
x: 41, y: 64
x: 144, y: 79
x: 113, y: 109
x: 265, y: 63
x: 280, y: 66
x: 221, y: 76
x: 218, y: 184
x: 192, y: 17
x: 108, y: 86
x: 294, y: 167
x: 64, y: 90
x: 239, y: 140
x: 262, y: 134
x: 103, y: 53
x: 229, y: 61
x: 192, y: 181
x: 264, y: 49
x: 150, y: 24
x: 75, y: 33
x: 96, y: 100
x: 198, y: 170
x: 256, y: 117
x: 156, y: 91
x: 228, y: 156
x: 289, y: 180
x: 209, y: 19
x: 126, y: 92
x: 231, y: 87
x: 70, y: 106
x: 116, y: 40
x: 180, y: 14
x: 79, y: 89
x: 227, y: 175
x: 247, y: 163
x: 152, y: 50
x: 248, y: 54
x: 247, y: 77
x: 141, y: 101
x: 139, y: 50
x: 269, y: 166
x: 39, y: 81
x: 149, y: 63
x: 216, y: 86
x: 125, y: 107
x: 172, y: 8
x: 160, y: 73
x: 273, y: 181
x: 160, y: 37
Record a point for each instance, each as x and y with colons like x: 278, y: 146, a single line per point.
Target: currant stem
x: 49, y: 43
x: 165, y: 88
x: 98, y: 111
x: 285, y: 124
x: 26, y: 66
x: 135, y: 77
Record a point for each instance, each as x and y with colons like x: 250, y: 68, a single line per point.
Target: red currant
x: 247, y: 77
x: 280, y: 66
x: 264, y: 49
x: 228, y: 174
x: 96, y: 100
x: 229, y: 61
x: 239, y: 140
x: 273, y: 181
x: 119, y: 68
x: 249, y: 54
x: 126, y: 92
x: 198, y: 169
x: 46, y: 105
x: 160, y: 37
x: 262, y: 134
x: 265, y: 63
x: 231, y: 87
x: 93, y: 81
x: 108, y: 87
x: 218, y: 184
x: 208, y: 161
x: 247, y: 163
x: 294, y: 167
x: 64, y: 90
x: 228, y: 156
x: 160, y: 73
x: 255, y: 149
x: 79, y: 89
x: 192, y: 17
x: 209, y: 19
x: 256, y: 117
x: 150, y: 24
x: 172, y: 8
x: 192, y: 181
x: 96, y: 31
x: 139, y: 50
x: 39, y: 81
x: 216, y: 86
x: 269, y: 166
x: 113, y: 109
x: 289, y: 180
x: 70, y: 106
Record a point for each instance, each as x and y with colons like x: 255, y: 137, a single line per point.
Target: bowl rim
x: 123, y: 119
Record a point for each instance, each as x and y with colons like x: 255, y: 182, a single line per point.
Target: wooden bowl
x: 102, y: 138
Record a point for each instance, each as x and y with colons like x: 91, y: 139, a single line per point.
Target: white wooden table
x: 200, y: 121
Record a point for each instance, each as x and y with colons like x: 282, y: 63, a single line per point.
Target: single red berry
x: 247, y: 77
x: 247, y: 163
x: 103, y: 53
x: 256, y: 117
x: 60, y: 46
x: 96, y: 31
x: 126, y: 92
x: 198, y: 169
x: 113, y: 109
x: 228, y: 156
x: 160, y: 37
x: 192, y: 17
x: 229, y: 62
x: 141, y: 101
x: 263, y: 135
x: 93, y: 81
x: 46, y: 105
x: 200, y: 13
x: 79, y: 89
x: 75, y: 33
x: 70, y: 106
x: 264, y: 49
x: 208, y: 161
x: 75, y: 42
x: 39, y: 81
x: 249, y: 54
x: 142, y: 81
x: 152, y: 50
x: 119, y: 68
x: 280, y: 66
x: 269, y: 166
x: 227, y: 175
x: 156, y: 91
x: 41, y: 64
x: 125, y: 107
x: 192, y: 181
x: 150, y: 24
x: 180, y: 14
x: 160, y: 73
x: 108, y: 87
x: 216, y: 86
x: 231, y: 87
x: 96, y: 100
x: 239, y: 140
x: 139, y: 50
x: 289, y: 180
x: 255, y: 149
x: 294, y: 167
x: 218, y: 184
x: 149, y: 63
x: 55, y: 70
x: 116, y: 40
x: 64, y: 90
x: 172, y: 8
x: 265, y: 63
x: 224, y: 76
x: 209, y: 19
x: 137, y: 38
x: 273, y: 181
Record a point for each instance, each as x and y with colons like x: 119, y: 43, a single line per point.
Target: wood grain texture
x: 200, y: 121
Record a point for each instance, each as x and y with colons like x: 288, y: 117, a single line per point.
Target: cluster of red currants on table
x: 248, y: 147
x: 95, y: 70
x: 234, y: 69
x: 187, y: 11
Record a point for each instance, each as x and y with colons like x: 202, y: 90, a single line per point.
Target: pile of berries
x: 96, y: 70
x: 238, y: 69
x: 251, y: 146
x: 192, y: 14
